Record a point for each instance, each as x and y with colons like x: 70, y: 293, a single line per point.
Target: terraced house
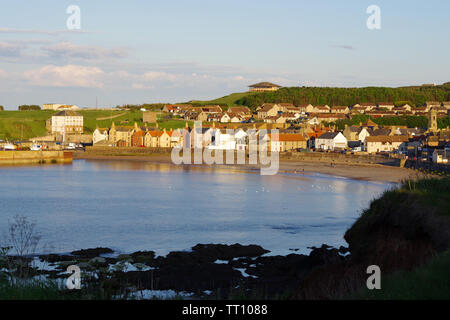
x: 67, y: 122
x: 288, y: 142
x: 376, y: 144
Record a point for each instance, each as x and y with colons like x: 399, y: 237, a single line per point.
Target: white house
x: 225, y: 118
x: 241, y: 139
x: 67, y: 122
x: 331, y: 141
x: 363, y: 134
x: 100, y: 135
x: 51, y: 106
x: 223, y: 141
x: 313, y: 121
x: 376, y: 144
x: 441, y: 156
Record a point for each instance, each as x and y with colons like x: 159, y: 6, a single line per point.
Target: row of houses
x: 367, y: 137
x: 196, y: 137
x: 282, y: 112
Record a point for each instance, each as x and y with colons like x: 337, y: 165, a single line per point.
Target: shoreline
x: 364, y: 172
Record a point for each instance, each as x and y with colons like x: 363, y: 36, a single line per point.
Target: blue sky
x: 140, y: 51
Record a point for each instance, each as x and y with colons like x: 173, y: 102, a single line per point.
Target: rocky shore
x: 208, y: 271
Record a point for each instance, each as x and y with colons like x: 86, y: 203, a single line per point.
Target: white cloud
x: 41, y: 31
x: 70, y: 50
x: 66, y: 76
x: 8, y: 49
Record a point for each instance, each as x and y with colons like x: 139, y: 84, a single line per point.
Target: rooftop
x: 264, y: 85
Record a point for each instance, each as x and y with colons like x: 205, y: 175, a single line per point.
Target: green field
x: 22, y: 125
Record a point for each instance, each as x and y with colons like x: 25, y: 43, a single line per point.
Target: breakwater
x: 34, y: 157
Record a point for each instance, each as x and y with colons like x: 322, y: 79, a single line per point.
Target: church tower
x: 432, y: 121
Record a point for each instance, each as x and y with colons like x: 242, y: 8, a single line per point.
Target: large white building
x: 67, y: 122
x: 58, y: 106
x: 331, y: 141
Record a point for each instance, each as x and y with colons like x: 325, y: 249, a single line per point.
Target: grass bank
x: 22, y: 125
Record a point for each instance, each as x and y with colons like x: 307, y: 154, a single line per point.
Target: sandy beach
x: 368, y: 172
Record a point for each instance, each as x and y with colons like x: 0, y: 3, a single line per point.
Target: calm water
x: 130, y: 206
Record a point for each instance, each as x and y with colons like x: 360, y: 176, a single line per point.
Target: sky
x: 143, y: 51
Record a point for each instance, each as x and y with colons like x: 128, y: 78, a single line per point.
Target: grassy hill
x: 415, y: 96
x: 22, y: 125
x: 229, y: 100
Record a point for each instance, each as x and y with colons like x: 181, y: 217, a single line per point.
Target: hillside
x: 18, y: 125
x: 416, y: 96
x: 229, y: 100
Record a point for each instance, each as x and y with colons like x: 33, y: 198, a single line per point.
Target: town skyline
x: 152, y: 52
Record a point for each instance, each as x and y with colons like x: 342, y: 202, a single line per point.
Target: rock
x: 84, y: 266
x: 91, y: 253
x: 65, y: 264
x: 325, y: 255
x: 97, y: 261
x: 124, y: 257
x: 226, y: 252
x: 52, y: 258
x: 146, y: 257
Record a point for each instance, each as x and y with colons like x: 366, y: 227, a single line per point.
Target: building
x: 376, y: 144
x: 244, y: 111
x: 137, y: 138
x: 149, y: 116
x: 340, y: 109
x: 264, y: 86
x: 432, y: 121
x: 100, y: 135
x: 386, y: 105
x: 321, y: 109
x: 121, y: 135
x: 441, y: 156
x: 51, y: 106
x: 288, y: 142
x: 58, y: 106
x: 331, y: 141
x: 67, y: 122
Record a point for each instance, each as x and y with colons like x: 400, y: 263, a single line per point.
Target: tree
x: 2, y: 108
x: 32, y: 107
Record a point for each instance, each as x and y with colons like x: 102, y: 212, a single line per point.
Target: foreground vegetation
x: 431, y: 281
